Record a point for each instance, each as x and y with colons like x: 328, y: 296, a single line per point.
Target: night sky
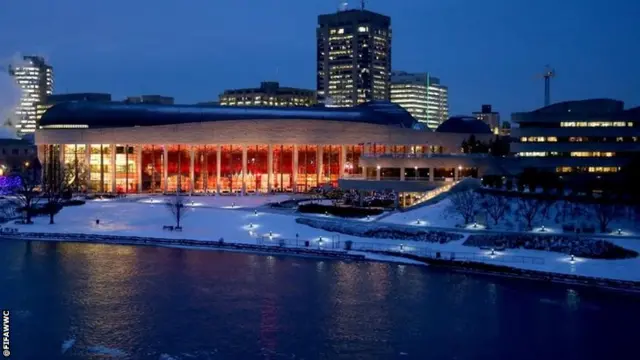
x: 486, y: 51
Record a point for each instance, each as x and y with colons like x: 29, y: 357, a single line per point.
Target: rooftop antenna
x: 361, y: 4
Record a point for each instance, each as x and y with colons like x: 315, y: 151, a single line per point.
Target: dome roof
x: 465, y: 125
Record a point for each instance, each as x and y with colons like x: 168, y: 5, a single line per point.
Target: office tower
x: 489, y: 117
x: 353, y: 57
x: 35, y: 78
x: 268, y: 94
x: 422, y: 96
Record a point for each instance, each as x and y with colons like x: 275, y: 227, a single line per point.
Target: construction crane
x: 547, y: 75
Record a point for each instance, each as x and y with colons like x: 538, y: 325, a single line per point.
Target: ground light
x: 251, y: 226
x: 493, y: 252
x: 233, y: 204
x: 320, y: 241
x: 475, y: 225
x: 619, y: 231
x: 418, y: 222
x: 542, y: 228
x: 572, y: 260
x: 270, y: 235
x: 368, y: 217
x: 255, y: 212
x: 401, y: 247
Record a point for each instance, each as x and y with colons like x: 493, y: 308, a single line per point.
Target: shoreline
x: 480, y: 268
x: 470, y: 267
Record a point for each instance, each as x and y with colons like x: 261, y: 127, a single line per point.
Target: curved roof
x: 464, y: 124
x: 105, y: 115
x: 580, y: 110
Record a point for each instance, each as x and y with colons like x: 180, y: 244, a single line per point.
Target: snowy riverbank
x: 240, y: 220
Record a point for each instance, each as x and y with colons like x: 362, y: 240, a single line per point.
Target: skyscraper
x: 354, y: 57
x: 489, y: 117
x: 35, y: 77
x: 422, y: 96
x: 270, y: 93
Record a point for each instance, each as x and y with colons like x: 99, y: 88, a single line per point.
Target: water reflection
x: 146, y: 302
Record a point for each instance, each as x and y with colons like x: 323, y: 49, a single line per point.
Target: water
x: 88, y: 301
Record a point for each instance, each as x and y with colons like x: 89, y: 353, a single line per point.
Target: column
x: 139, y: 166
x: 165, y: 167
x: 101, y: 168
x: 378, y: 171
x: 364, y: 173
x: 269, y: 167
x: 431, y: 174
x: 343, y: 159
x: 294, y: 169
x: 402, y: 174
x: 456, y: 174
x: 319, y: 165
x: 244, y: 169
x: 192, y: 157
x: 218, y: 170
x: 87, y: 163
x: 112, y: 148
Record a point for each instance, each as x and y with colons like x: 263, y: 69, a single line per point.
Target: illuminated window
x: 592, y: 154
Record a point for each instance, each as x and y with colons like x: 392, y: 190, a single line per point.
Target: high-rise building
x: 268, y: 94
x: 354, y: 57
x: 489, y: 117
x: 422, y: 96
x: 35, y: 77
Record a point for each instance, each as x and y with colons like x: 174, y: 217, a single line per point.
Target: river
x: 93, y: 301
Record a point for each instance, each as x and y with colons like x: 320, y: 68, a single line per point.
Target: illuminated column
x: 139, y: 166
x: 112, y: 149
x: 165, y: 167
x: 87, y: 163
x: 343, y: 160
x: 431, y: 174
x: 218, y: 169
x: 402, y: 174
x: 269, y: 167
x: 101, y: 168
x: 192, y: 156
x: 294, y: 169
x: 378, y: 171
x: 456, y: 174
x: 244, y: 169
x: 319, y: 153
x: 61, y: 153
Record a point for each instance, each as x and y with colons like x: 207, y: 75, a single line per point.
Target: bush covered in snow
x: 587, y: 248
x: 342, y: 211
x: 386, y: 231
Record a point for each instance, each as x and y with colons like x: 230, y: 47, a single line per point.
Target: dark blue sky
x: 486, y: 51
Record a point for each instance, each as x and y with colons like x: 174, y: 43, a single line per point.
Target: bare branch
x: 464, y: 203
x: 528, y: 208
x: 496, y: 207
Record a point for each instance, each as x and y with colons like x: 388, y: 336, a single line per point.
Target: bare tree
x: 25, y: 190
x: 528, y: 208
x: 496, y: 207
x: 546, y: 206
x: 77, y: 173
x: 177, y: 205
x: 57, y: 179
x: 464, y: 203
x: 604, y: 212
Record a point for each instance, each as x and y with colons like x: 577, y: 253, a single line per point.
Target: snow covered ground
x: 210, y: 218
x: 440, y: 215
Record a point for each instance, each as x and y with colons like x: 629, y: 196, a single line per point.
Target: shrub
x: 73, y: 202
x: 342, y: 211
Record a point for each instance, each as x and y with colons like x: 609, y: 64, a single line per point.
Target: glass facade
x: 152, y: 168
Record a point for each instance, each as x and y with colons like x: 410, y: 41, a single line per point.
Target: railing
x: 422, y: 156
x: 426, y: 252
x: 320, y: 243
